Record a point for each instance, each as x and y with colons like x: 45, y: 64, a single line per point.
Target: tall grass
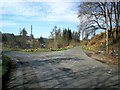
x: 89, y: 48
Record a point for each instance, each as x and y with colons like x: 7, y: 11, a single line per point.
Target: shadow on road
x: 41, y: 74
x: 47, y: 61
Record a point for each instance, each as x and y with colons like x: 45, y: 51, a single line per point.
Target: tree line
x: 100, y: 15
x: 22, y: 40
x: 59, y: 38
x: 63, y: 37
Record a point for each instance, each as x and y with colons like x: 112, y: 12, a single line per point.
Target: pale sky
x: 43, y: 15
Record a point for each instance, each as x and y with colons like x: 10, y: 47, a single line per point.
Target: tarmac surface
x: 61, y: 69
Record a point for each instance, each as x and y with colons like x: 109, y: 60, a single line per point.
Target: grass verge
x: 44, y: 50
x: 37, y: 50
x: 6, y: 68
x: 100, y: 56
x: 89, y: 48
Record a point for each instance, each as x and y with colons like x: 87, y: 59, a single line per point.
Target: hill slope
x: 99, y: 41
x: 98, y: 45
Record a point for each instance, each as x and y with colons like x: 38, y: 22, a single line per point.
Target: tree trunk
x: 107, y: 40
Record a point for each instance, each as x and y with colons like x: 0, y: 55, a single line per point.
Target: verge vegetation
x: 39, y: 49
x: 96, y: 48
x: 6, y: 68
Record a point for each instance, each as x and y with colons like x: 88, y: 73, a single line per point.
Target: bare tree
x: 95, y: 13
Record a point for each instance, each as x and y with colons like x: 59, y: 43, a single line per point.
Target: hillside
x: 99, y: 41
x: 98, y: 47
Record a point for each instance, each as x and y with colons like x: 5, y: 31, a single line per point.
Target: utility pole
x: 31, y: 30
x: 20, y: 30
x: 107, y: 38
x: 31, y: 39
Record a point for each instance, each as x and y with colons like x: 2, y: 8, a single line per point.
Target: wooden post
x: 107, y: 38
x: 31, y: 39
x: 31, y: 29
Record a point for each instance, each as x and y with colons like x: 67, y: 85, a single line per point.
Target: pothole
x: 65, y: 69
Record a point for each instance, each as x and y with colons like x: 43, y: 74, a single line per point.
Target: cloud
x: 64, y: 18
x: 64, y: 11
x: 8, y: 23
x: 44, y: 10
x: 59, y: 1
x: 40, y: 1
x: 18, y: 8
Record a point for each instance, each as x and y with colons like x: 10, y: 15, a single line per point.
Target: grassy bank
x: 6, y: 67
x: 100, y: 56
x: 6, y: 62
x: 89, y: 48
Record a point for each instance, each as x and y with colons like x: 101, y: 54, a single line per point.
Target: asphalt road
x: 61, y: 69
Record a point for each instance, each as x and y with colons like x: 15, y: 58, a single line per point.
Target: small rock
x: 94, y: 67
x: 109, y: 71
x: 87, y: 68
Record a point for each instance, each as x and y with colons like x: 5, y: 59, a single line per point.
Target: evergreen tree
x: 24, y: 34
x: 41, y: 40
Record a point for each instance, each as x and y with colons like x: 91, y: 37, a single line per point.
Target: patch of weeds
x: 58, y: 49
x: 89, y: 48
x: 36, y: 50
x: 43, y: 50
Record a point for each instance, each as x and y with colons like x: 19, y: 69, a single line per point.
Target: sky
x: 43, y: 15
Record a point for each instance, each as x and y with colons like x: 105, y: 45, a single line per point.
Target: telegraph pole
x: 31, y: 38
x: 31, y: 30
x: 107, y: 38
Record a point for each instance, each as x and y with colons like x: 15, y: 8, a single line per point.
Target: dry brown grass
x: 98, y: 44
x: 98, y: 40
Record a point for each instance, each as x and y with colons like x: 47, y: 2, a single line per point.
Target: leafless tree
x: 95, y: 13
